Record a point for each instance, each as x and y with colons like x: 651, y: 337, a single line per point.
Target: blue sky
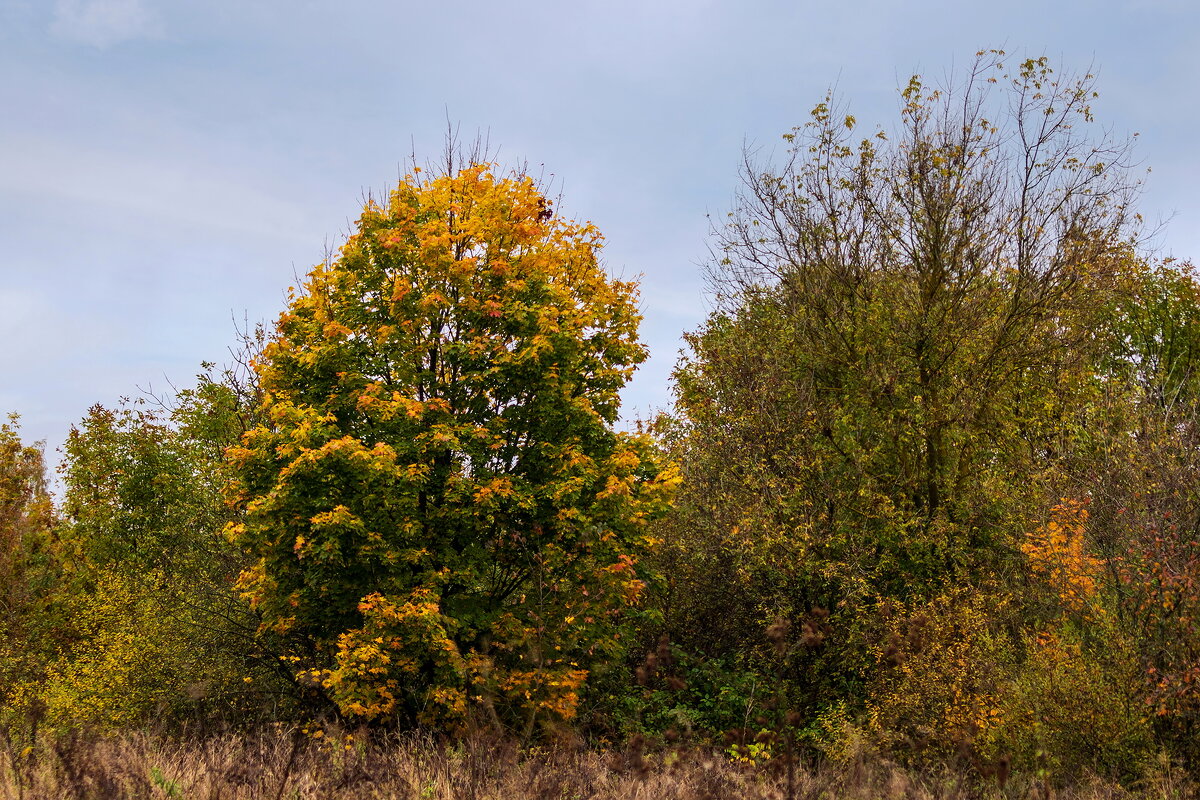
x: 168, y: 166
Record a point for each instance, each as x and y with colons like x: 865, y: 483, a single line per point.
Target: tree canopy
x: 439, y: 507
x: 915, y: 377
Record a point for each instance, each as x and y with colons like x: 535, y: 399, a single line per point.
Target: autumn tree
x: 1144, y: 525
x: 27, y: 549
x: 26, y: 513
x: 882, y: 404
x: 440, y: 512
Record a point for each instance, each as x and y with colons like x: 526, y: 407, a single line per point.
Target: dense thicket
x: 942, y: 409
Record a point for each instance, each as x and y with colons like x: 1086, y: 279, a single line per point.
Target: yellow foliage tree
x: 439, y: 509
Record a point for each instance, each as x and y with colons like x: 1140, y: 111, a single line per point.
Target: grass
x: 331, y: 764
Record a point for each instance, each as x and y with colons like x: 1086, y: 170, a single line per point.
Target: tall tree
x: 439, y: 508
x: 882, y: 404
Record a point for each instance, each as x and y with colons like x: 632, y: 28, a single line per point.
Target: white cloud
x: 103, y: 23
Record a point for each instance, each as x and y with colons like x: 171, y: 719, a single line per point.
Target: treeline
x: 929, y: 484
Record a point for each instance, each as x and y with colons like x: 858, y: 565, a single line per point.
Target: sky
x: 169, y: 167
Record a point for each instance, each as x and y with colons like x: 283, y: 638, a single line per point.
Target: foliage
x: 27, y: 549
x: 903, y: 350
x: 935, y: 448
x: 1072, y: 704
x: 140, y: 496
x: 1160, y: 600
x: 25, y: 509
x: 1144, y: 505
x: 696, y: 699
x: 939, y: 684
x: 437, y: 506
x: 1057, y: 555
x: 147, y: 621
x: 1155, y: 330
x: 130, y: 658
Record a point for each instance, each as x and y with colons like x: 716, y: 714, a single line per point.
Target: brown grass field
x: 295, y: 763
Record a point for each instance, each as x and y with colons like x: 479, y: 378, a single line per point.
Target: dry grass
x: 278, y: 763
